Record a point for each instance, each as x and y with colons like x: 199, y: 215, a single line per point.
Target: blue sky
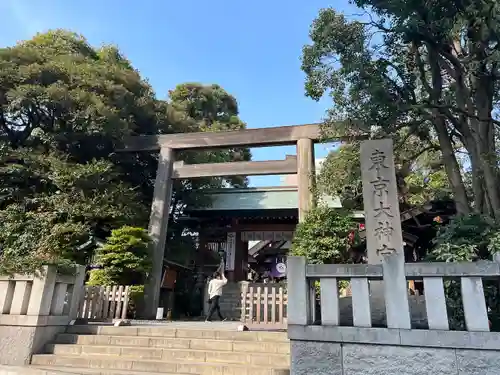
x: 250, y: 48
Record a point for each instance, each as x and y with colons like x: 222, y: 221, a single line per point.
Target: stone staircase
x: 144, y: 350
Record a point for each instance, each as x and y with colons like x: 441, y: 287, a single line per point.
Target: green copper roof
x: 269, y: 198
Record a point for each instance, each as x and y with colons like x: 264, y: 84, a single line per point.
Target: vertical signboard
x: 230, y: 251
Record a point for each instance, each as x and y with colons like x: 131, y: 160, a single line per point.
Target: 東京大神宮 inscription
x: 380, y: 198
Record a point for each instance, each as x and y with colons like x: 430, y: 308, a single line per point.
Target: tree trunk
x: 451, y: 165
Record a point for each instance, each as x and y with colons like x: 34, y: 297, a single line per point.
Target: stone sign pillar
x: 383, y: 227
x: 158, y: 223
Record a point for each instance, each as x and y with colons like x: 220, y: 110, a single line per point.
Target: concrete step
x: 211, y: 332
x: 173, y: 355
x: 84, y: 371
x: 277, y: 347
x: 134, y: 366
x: 49, y: 370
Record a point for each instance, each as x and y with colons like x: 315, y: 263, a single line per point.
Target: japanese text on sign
x: 381, y: 207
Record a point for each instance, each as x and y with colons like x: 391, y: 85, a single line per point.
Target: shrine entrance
x: 303, y: 136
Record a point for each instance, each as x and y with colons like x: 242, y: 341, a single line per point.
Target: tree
x: 428, y: 68
x: 420, y: 179
x: 65, y: 107
x: 209, y: 108
x: 200, y: 108
x: 123, y: 259
x: 49, y: 207
x: 323, y: 237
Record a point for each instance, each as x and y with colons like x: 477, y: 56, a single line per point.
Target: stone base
x: 322, y: 358
x: 18, y: 343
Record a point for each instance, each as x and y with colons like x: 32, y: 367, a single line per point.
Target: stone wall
x: 18, y: 343
x: 378, y: 351
x: 33, y: 310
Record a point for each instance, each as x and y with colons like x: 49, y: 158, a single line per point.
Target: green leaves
x: 49, y: 206
x: 124, y: 259
x: 64, y: 109
x: 323, y: 236
x: 466, y: 238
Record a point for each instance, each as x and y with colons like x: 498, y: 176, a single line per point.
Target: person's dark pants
x: 214, y: 306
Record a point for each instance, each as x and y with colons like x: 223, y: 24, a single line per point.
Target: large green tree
x: 194, y: 107
x: 419, y: 174
x: 64, y: 108
x: 430, y: 68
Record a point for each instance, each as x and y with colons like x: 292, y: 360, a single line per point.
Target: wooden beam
x: 278, y: 227
x: 240, y: 168
x: 277, y: 136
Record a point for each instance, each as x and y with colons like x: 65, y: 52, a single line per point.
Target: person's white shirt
x: 215, y: 286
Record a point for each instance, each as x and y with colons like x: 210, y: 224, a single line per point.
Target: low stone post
x: 299, y: 292
x: 78, y: 292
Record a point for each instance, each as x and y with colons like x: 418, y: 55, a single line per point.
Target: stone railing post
x: 42, y: 291
x: 299, y: 309
x: 33, y: 311
x: 78, y: 293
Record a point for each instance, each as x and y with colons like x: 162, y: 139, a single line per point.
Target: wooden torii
x: 303, y: 136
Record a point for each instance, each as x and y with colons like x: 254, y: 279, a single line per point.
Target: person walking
x: 214, y: 293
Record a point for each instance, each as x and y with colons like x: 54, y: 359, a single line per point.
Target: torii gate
x: 304, y: 136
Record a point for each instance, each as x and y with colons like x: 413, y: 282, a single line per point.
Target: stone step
x: 92, y: 371
x: 168, y: 332
x: 276, y: 347
x: 50, y: 370
x: 162, y: 367
x: 173, y: 355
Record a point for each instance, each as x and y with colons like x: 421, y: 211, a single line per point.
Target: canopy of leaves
x: 123, y: 259
x: 64, y: 108
x: 49, y: 206
x: 428, y: 68
x: 420, y: 179
x: 323, y: 237
x: 206, y: 109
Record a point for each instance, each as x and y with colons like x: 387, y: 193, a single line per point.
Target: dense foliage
x: 419, y: 175
x: 64, y: 108
x: 323, y: 237
x: 123, y: 259
x: 429, y: 71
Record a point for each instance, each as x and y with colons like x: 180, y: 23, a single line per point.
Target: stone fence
x: 398, y: 344
x: 33, y: 309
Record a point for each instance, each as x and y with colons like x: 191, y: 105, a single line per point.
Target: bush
x: 323, y: 237
x: 467, y: 239
x: 124, y: 259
